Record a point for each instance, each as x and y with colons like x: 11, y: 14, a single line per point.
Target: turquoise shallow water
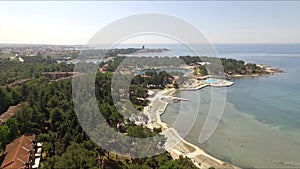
x: 240, y: 137
x: 261, y: 121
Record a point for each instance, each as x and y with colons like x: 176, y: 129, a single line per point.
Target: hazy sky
x: 222, y: 22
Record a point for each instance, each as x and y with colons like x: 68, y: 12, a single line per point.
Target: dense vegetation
x: 47, y: 110
x: 11, y: 71
x: 217, y: 66
x: 148, y: 62
x: 229, y: 66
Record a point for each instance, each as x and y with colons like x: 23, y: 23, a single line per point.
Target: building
x: 8, y: 114
x: 203, y: 63
x: 20, y: 154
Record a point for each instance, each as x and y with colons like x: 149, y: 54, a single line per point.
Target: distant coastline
x: 269, y: 71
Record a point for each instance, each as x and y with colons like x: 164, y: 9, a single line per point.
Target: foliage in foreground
x: 47, y: 110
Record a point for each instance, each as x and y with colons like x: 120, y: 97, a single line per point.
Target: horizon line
x: 222, y: 43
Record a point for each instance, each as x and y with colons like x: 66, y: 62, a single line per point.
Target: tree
x: 55, y: 118
x: 49, y: 140
x: 4, y: 104
x: 27, y: 120
x: 136, y: 166
x: 5, y: 136
x: 77, y: 157
x: 181, y: 163
x: 176, y: 85
x: 13, y: 126
x: 138, y: 132
x: 202, y: 70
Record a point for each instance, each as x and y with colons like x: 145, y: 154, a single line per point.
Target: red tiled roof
x: 18, y: 152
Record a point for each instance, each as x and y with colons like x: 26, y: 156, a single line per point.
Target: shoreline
x: 199, y: 85
x: 269, y: 70
x: 175, y: 144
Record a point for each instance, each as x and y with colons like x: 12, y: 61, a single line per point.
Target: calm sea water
x: 261, y: 121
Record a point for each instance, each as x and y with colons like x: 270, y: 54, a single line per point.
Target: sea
x: 260, y: 124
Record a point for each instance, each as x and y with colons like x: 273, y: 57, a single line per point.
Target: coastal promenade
x: 175, y: 144
x: 196, y: 85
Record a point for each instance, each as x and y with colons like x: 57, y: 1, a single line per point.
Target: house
x: 138, y: 120
x: 37, y: 156
x: 203, y: 63
x: 20, y: 154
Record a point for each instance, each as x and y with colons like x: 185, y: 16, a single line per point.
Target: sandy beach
x: 175, y: 144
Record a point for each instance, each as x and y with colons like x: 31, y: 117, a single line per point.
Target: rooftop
x: 8, y: 114
x: 18, y: 152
